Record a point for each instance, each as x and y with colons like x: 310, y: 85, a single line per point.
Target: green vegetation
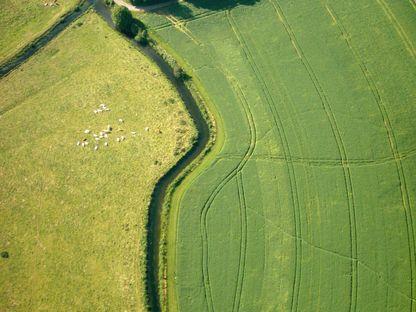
x: 123, y: 20
x: 142, y: 37
x: 307, y: 200
x: 146, y: 2
x: 73, y: 219
x: 128, y: 25
x: 21, y: 22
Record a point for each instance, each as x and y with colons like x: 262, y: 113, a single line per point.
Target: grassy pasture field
x: 73, y: 219
x: 307, y: 202
x: 23, y: 21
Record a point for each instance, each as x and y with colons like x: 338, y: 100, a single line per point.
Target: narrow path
x: 162, y: 186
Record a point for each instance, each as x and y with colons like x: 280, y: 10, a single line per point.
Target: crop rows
x: 307, y: 203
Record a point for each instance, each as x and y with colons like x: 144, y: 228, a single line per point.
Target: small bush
x: 4, y: 254
x: 179, y: 73
x: 141, y: 37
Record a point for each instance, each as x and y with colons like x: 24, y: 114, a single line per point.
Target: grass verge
x: 174, y: 193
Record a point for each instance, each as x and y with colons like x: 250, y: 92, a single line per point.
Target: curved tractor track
x: 161, y: 187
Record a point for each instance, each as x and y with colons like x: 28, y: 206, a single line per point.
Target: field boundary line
x: 392, y: 144
x: 334, y: 253
x: 165, y: 25
x: 225, y: 181
x: 201, y: 16
x: 326, y: 162
x: 381, y: 279
x: 340, y: 146
x: 179, y: 25
x: 282, y: 136
x: 188, y: 20
x: 301, y: 239
x: 399, y: 29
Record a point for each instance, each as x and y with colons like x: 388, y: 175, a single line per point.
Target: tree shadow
x: 218, y: 5
x: 178, y: 10
x: 182, y: 11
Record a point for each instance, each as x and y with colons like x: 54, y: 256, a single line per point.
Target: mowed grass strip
x: 72, y: 219
x: 23, y: 21
x: 308, y: 204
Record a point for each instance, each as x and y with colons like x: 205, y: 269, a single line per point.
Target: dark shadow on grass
x: 178, y: 10
x: 183, y: 11
x: 217, y: 5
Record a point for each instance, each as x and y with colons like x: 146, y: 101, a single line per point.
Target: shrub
x: 141, y: 37
x: 4, y: 254
x: 179, y: 73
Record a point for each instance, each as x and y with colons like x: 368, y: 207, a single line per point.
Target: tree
x: 139, y: 2
x: 123, y: 20
x: 146, y: 2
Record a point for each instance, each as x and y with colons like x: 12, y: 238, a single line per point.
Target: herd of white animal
x: 104, y: 135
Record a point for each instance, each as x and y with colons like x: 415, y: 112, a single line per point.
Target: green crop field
x: 72, y: 219
x: 307, y: 201
x: 23, y: 21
